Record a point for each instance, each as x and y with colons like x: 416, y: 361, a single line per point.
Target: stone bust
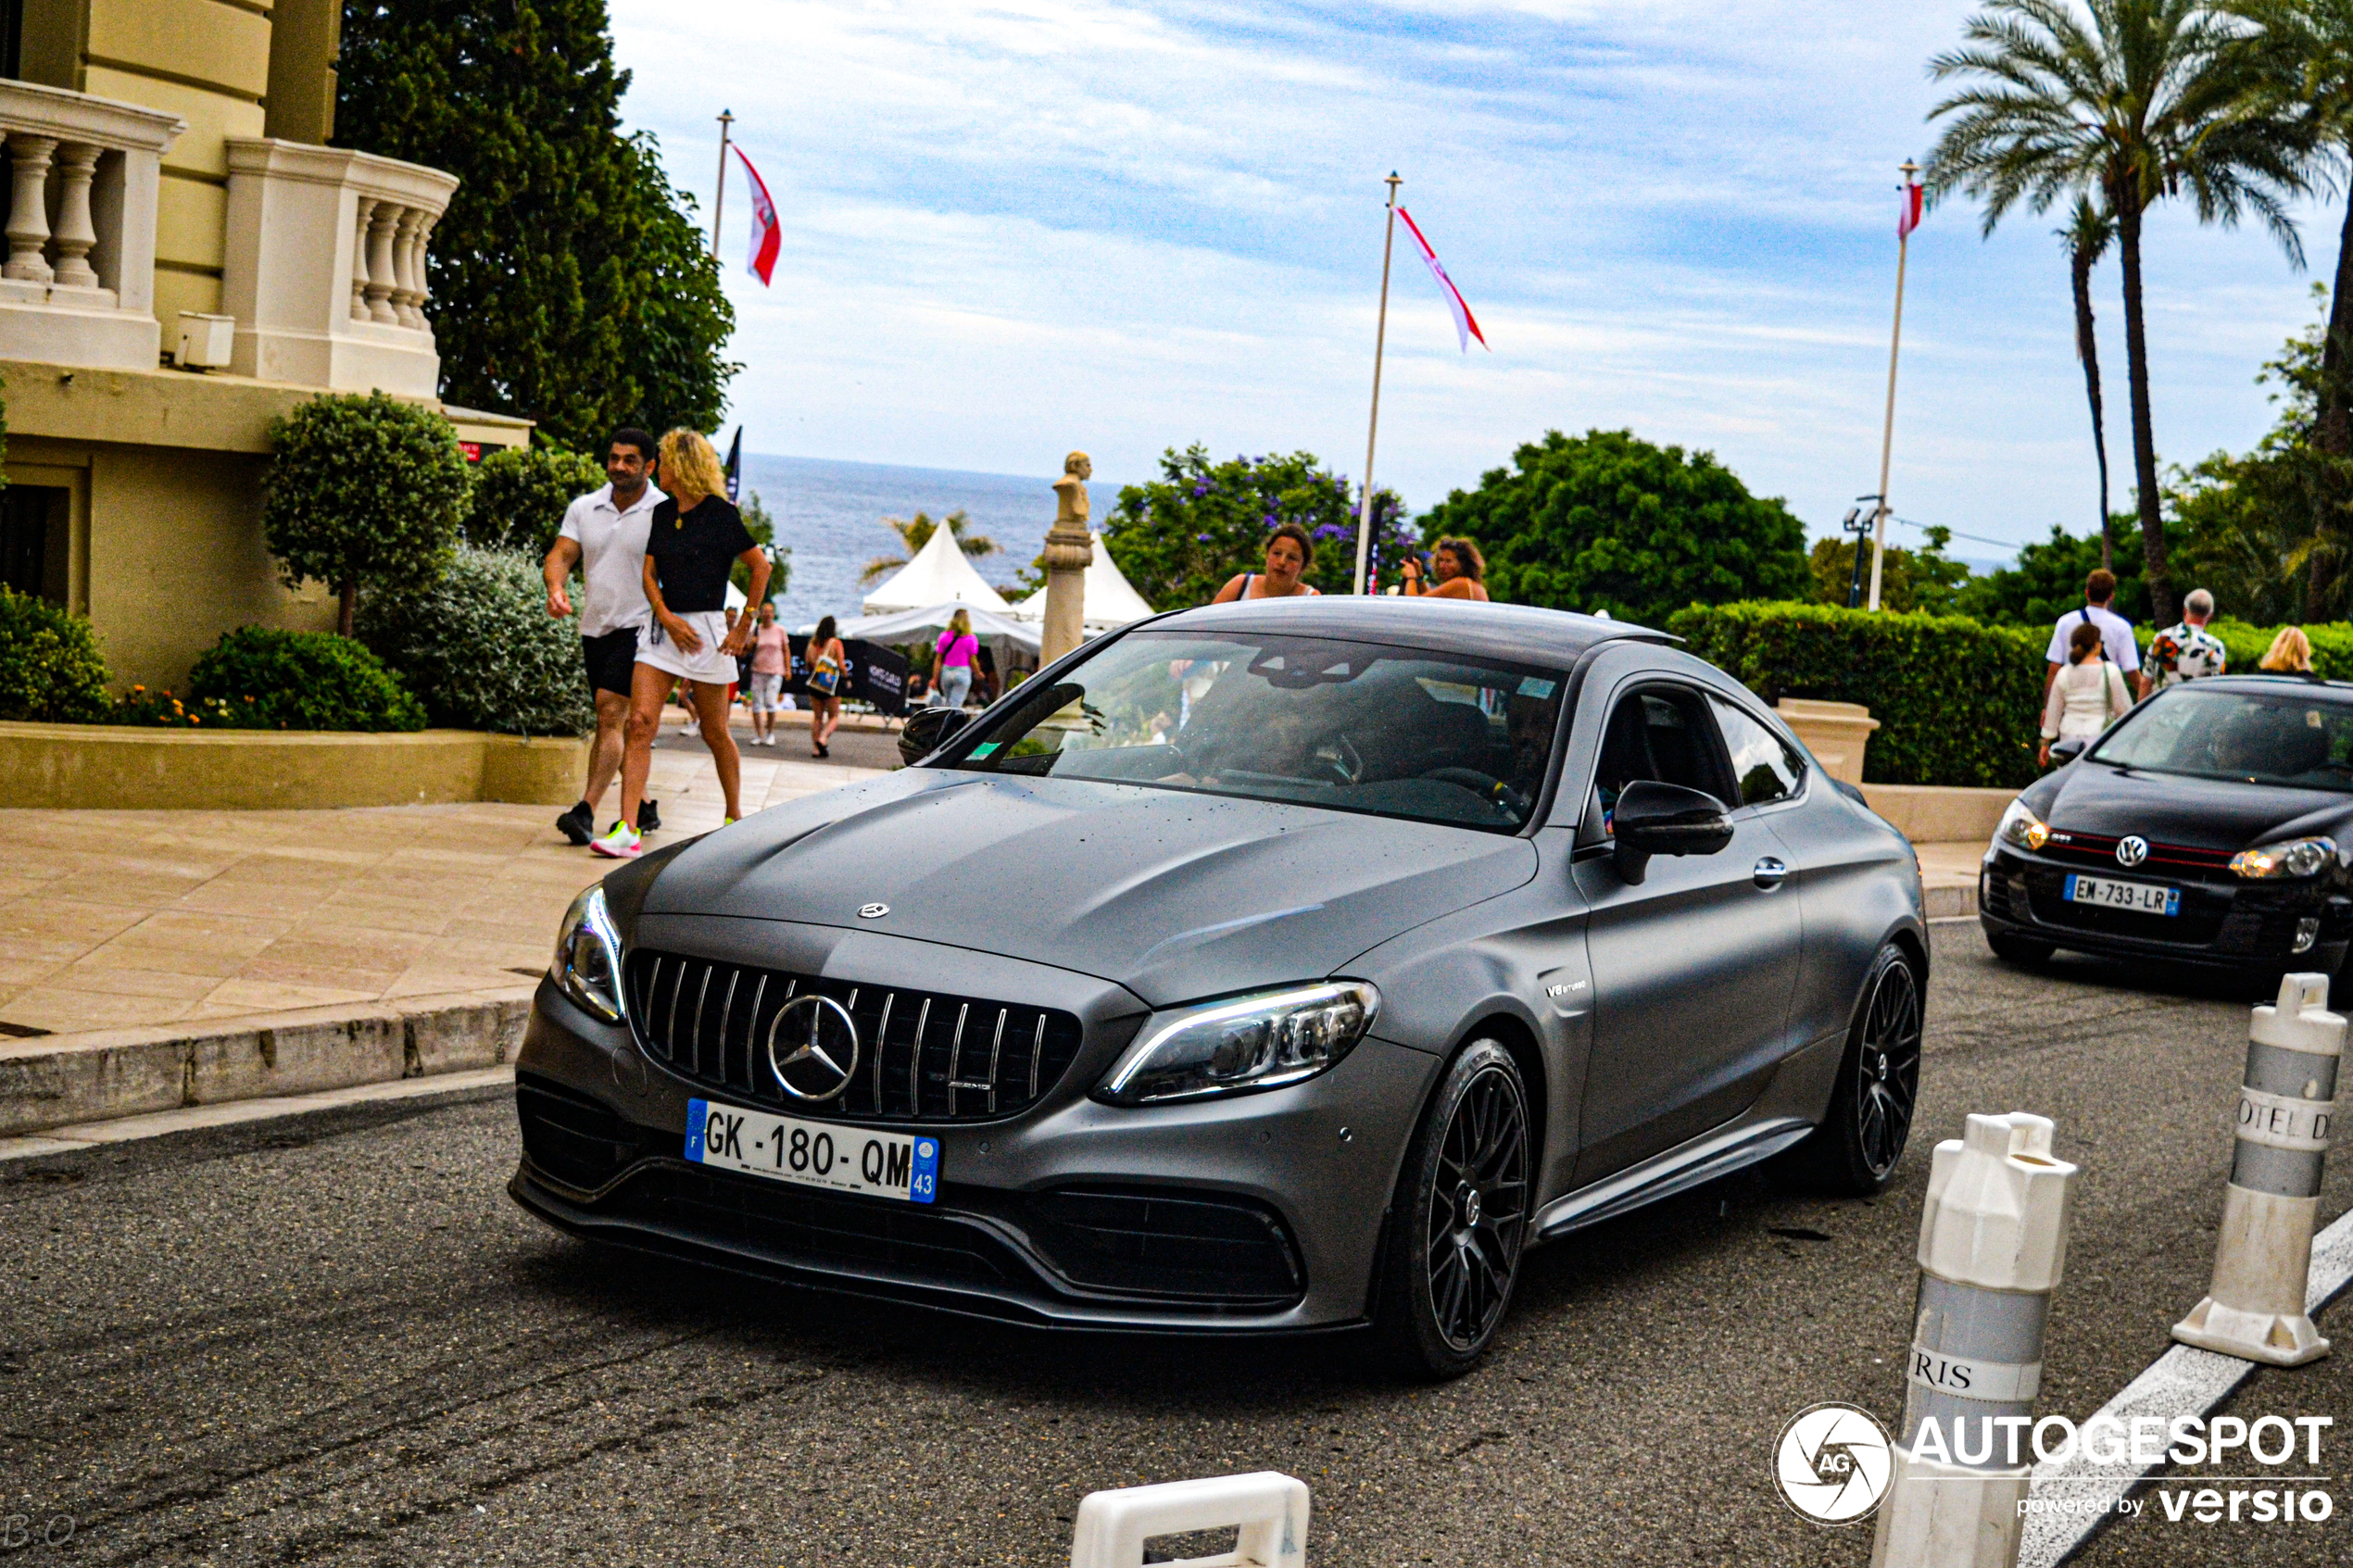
x: 1070, y: 505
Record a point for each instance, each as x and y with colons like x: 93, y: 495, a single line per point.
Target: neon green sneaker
x: 622, y: 843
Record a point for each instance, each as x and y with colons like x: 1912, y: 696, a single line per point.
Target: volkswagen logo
x: 873, y: 911
x: 813, y: 1047
x: 2132, y: 849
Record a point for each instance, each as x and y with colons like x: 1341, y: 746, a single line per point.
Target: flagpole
x: 1894, y: 344
x: 1372, y: 429
x: 719, y: 202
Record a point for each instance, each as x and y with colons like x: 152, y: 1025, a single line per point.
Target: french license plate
x: 816, y: 1154
x: 2109, y: 893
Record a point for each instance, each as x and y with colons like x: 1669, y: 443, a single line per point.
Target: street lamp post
x: 1372, y: 429
x: 719, y: 202
x: 1895, y: 341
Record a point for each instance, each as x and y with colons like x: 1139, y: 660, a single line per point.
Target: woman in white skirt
x: 697, y: 534
x: 2086, y: 698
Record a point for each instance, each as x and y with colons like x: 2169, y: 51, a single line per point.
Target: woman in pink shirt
x: 952, y: 667
x: 771, y: 661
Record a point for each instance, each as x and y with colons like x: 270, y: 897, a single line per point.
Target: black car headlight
x: 2021, y: 827
x: 587, y: 962
x: 1261, y: 1041
x: 2297, y: 856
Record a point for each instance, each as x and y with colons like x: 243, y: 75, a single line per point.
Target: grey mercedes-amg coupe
x: 1279, y: 965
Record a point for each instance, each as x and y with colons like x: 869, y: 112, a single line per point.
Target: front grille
x: 922, y: 1057
x: 2195, y: 926
x: 797, y: 1225
x: 2181, y: 862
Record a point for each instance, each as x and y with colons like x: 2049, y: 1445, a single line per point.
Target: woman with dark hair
x: 2087, y: 697
x: 1460, y: 570
x: 828, y: 666
x: 1289, y: 552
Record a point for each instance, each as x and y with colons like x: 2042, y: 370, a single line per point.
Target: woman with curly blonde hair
x: 696, y: 537
x: 2290, y: 653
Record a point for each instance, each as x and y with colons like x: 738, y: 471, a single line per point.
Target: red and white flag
x: 1909, y: 217
x: 767, y: 235
x: 1466, y: 325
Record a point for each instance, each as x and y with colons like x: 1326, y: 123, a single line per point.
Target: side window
x: 1765, y: 768
x: 1660, y: 733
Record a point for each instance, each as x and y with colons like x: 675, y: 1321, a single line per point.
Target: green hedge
x: 1957, y: 702
x: 50, y: 668
x: 257, y: 678
x: 2331, y: 645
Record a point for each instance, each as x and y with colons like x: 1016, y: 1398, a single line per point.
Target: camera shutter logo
x: 2132, y: 849
x: 818, y: 1042
x: 1833, y: 1462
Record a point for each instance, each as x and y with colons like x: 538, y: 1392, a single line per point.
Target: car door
x: 1694, y: 966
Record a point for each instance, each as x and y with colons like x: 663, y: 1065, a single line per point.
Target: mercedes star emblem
x: 819, y: 1046
x: 2132, y: 849
x: 873, y: 911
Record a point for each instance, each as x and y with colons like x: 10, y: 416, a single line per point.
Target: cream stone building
x: 187, y: 259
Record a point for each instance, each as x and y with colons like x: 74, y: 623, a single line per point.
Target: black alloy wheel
x: 1460, y: 1218
x: 1854, y: 1151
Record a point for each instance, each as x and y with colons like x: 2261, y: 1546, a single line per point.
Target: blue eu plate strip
x: 923, y: 1186
x: 2070, y: 895
x: 696, y: 1111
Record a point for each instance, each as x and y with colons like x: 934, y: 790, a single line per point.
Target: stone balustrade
x: 78, y: 286
x: 326, y: 265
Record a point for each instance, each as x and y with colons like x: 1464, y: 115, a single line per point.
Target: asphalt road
x: 336, y: 1341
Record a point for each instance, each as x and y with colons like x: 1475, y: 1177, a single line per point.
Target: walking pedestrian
x: 1289, y: 553
x: 604, y: 534
x: 771, y: 662
x: 2186, y: 652
x: 696, y: 535
x: 2116, y: 633
x: 1460, y: 569
x: 2086, y: 697
x: 828, y: 666
x: 2290, y: 653
x: 952, y: 659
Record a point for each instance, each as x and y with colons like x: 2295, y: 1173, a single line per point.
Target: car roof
x: 1518, y: 633
x: 2341, y: 691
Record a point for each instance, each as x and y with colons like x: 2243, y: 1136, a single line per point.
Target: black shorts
x: 612, y: 659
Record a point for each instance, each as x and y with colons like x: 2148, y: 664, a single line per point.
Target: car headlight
x: 2021, y: 827
x: 587, y: 962
x: 2297, y: 856
x: 1261, y: 1041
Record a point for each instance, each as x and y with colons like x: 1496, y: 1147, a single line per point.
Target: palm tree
x: 915, y: 531
x: 2131, y: 101
x: 2088, y: 234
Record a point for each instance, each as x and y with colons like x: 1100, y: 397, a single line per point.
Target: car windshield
x: 2294, y: 736
x: 1353, y: 726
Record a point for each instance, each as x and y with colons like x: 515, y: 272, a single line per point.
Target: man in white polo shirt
x: 604, y: 533
x: 2116, y: 633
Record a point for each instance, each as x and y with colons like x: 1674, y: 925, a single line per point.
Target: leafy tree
x: 2090, y: 230
x: 363, y: 491
x: 763, y: 529
x: 1181, y: 537
x: 915, y: 531
x: 569, y: 284
x: 1926, y: 579
x: 2047, y: 582
x: 1607, y: 520
x: 2131, y: 101
x: 519, y: 496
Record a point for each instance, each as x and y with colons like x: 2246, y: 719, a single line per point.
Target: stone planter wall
x: 108, y: 767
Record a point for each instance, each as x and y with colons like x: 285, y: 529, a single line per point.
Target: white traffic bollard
x: 2255, y: 1308
x: 1270, y: 1507
x: 1993, y: 1242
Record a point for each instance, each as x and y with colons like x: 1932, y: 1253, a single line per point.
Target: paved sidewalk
x: 112, y: 920
x: 1949, y: 875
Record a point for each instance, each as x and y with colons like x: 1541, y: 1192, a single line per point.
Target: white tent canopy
x: 1111, y: 602
x: 940, y: 574
x: 910, y: 625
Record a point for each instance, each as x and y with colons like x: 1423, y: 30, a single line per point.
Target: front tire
x: 1459, y: 1220
x: 1854, y: 1151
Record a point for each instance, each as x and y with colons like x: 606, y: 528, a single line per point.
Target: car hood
x: 2171, y: 809
x: 1175, y: 896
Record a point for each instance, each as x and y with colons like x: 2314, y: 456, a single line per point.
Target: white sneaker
x: 622, y: 843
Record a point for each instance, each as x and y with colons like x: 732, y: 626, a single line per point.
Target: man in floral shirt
x: 2188, y: 652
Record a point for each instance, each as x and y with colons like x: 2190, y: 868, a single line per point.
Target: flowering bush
x: 140, y: 705
x: 50, y: 669
x: 1180, y: 538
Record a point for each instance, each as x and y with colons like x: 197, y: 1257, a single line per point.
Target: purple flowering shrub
x: 1180, y: 538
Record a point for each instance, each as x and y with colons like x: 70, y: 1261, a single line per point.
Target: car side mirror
x: 927, y: 729
x: 2065, y: 751
x: 1664, y: 819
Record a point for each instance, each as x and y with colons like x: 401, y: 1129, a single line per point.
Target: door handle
x: 1769, y: 873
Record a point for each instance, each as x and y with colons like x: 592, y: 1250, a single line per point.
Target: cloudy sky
x: 1016, y: 228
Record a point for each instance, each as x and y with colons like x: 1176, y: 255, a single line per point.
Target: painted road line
x: 2181, y: 1382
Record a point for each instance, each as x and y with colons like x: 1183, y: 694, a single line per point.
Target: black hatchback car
x: 2210, y: 826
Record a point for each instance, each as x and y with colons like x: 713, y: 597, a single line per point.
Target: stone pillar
x: 1070, y: 550
x: 77, y: 166
x: 29, y: 208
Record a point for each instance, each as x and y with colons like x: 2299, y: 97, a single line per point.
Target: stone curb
x: 101, y: 1075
